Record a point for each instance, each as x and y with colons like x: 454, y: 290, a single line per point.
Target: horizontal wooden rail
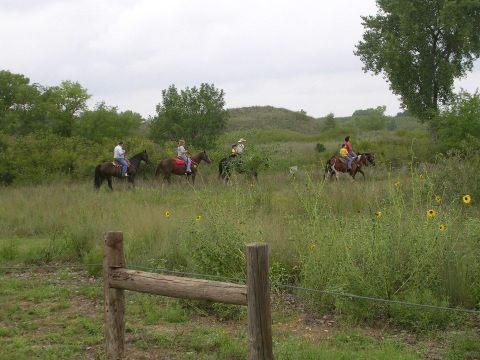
x: 255, y: 295
x: 178, y: 287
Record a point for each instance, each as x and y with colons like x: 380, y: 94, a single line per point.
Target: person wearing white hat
x: 239, y: 147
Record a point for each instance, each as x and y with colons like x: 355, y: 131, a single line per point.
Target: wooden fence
x: 255, y: 295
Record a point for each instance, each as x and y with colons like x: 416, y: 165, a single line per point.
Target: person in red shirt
x: 351, y: 155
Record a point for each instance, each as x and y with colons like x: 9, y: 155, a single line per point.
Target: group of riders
x: 182, y: 154
x: 346, y: 154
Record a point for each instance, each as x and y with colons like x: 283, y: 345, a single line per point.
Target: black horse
x: 241, y: 165
x: 108, y: 169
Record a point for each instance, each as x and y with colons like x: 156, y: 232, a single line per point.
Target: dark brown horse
x: 169, y: 167
x: 337, y: 164
x: 108, y: 170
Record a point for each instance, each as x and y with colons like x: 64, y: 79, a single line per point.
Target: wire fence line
x: 278, y: 285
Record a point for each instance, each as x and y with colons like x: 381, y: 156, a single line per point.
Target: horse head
x: 370, y: 157
x: 205, y: 157
x: 144, y: 156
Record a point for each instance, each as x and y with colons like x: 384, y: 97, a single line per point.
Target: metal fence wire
x: 242, y: 280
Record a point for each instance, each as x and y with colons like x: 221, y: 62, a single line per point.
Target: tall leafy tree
x: 421, y: 47
x: 18, y: 104
x: 196, y: 114
x: 63, y: 105
x: 105, y: 122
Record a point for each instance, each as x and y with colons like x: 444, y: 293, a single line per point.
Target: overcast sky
x: 290, y: 54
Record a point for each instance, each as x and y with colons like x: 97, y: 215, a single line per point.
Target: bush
x: 320, y: 147
x: 460, y: 120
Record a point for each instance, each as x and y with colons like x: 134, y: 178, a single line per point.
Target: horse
x: 337, y: 164
x: 170, y: 166
x: 237, y: 163
x: 108, y: 169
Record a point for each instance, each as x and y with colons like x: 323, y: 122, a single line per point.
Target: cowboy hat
x: 242, y: 140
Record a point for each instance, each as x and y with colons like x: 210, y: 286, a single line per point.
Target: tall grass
x: 323, y: 235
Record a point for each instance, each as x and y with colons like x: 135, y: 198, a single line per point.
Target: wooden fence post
x: 258, y: 298
x: 114, y: 298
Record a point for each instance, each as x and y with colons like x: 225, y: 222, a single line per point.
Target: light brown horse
x: 169, y: 167
x: 337, y: 164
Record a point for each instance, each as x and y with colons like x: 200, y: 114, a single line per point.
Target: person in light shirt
x: 182, y: 154
x: 239, y: 147
x: 119, y: 156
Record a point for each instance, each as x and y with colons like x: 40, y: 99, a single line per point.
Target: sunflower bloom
x: 438, y: 199
x: 431, y: 213
x: 467, y: 199
x: 198, y: 218
x: 442, y: 227
x: 378, y: 214
x: 167, y: 214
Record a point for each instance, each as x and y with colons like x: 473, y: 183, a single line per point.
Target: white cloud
x: 283, y: 53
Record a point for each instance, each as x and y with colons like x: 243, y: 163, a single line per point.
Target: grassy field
x: 58, y: 315
x: 404, y: 233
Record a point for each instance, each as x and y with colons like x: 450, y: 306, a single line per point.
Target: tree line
x: 196, y: 114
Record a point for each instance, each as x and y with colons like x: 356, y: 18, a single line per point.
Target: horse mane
x: 135, y: 159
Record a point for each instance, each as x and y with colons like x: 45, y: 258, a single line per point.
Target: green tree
x: 105, y: 122
x: 63, y: 105
x: 371, y: 119
x: 196, y: 114
x: 18, y: 104
x: 421, y: 47
x: 330, y: 122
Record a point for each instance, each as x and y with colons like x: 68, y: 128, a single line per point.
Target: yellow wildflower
x: 467, y: 199
x: 167, y: 214
x: 438, y: 199
x: 431, y: 213
x: 442, y: 227
x: 378, y: 214
x: 198, y: 218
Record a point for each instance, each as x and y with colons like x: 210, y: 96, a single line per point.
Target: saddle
x: 342, y: 159
x: 183, y: 162
x: 117, y: 164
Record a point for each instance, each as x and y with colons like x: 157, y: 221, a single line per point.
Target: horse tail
x: 220, y: 168
x: 328, y: 164
x: 98, y: 177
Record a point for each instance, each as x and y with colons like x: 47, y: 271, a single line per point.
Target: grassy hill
x: 269, y: 117
x: 394, y: 140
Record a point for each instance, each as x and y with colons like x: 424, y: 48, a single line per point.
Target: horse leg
x: 131, y: 181
x: 361, y: 172
x: 109, y: 179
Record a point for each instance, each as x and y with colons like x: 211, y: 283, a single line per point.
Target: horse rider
x: 119, y: 156
x: 350, y: 154
x: 239, y: 147
x: 182, y: 154
x: 343, y: 151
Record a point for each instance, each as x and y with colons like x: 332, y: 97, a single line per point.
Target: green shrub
x: 320, y: 147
